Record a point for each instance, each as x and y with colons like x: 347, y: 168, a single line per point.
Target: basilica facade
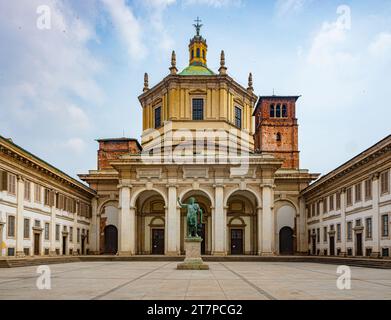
x: 209, y: 137
x: 204, y: 136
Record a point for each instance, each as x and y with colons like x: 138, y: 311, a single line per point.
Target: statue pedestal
x: 193, y: 259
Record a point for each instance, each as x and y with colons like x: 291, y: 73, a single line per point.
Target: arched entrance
x: 150, y: 223
x: 285, y: 227
x: 286, y: 240
x: 108, y: 217
x: 242, y: 223
x: 206, y: 232
x: 111, y: 240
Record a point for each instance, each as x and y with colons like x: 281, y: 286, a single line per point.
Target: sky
x: 70, y: 79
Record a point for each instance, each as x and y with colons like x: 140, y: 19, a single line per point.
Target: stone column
x: 213, y: 213
x: 94, y: 233
x: 172, y: 222
x: 220, y: 225
x: 267, y: 232
x: 126, y: 223
x: 19, y: 217
x: 376, y: 227
x: 343, y: 222
x: 259, y: 230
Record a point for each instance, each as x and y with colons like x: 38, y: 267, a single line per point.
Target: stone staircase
x: 357, y: 262
x: 25, y: 262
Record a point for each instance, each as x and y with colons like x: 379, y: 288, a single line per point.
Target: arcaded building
x: 205, y: 136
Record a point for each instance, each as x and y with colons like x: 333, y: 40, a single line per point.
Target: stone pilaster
x: 301, y: 227
x: 52, y: 231
x: 19, y: 217
x: 376, y: 223
x: 343, y: 222
x: 94, y: 233
x: 74, y: 235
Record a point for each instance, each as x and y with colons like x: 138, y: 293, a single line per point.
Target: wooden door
x: 236, y: 241
x: 286, y: 240
x: 111, y: 239
x: 36, y: 244
x: 332, y: 246
x: 359, y: 244
x: 157, y: 241
x: 64, y: 245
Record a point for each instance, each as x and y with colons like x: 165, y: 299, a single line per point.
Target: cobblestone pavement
x: 224, y: 280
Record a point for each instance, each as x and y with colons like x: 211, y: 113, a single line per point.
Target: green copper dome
x: 194, y: 70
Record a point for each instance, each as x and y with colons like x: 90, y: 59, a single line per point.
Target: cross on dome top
x: 198, y: 25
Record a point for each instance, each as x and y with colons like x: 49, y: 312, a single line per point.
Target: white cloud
x: 48, y: 83
x: 128, y: 27
x: 214, y: 3
x: 163, y: 4
x: 156, y: 10
x: 284, y: 7
x: 381, y: 46
x: 327, y: 46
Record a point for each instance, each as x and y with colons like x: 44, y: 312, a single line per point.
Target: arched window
x: 278, y: 137
x: 198, y: 52
x: 272, y: 111
x: 278, y: 111
x: 284, y: 111
x: 192, y: 54
x: 203, y: 54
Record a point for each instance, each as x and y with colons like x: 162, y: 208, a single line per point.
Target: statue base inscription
x: 193, y: 260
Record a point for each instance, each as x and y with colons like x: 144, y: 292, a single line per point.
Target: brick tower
x: 276, y: 128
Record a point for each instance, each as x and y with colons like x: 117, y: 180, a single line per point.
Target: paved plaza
x: 224, y: 280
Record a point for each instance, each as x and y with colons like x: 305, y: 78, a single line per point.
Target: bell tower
x: 198, y: 48
x: 276, y: 128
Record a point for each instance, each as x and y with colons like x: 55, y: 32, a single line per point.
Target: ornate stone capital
x: 120, y: 186
x: 218, y: 185
x: 268, y: 185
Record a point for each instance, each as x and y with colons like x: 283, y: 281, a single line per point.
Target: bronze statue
x: 194, y: 217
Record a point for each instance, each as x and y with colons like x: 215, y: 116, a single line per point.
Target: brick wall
x: 268, y: 128
x: 111, y: 149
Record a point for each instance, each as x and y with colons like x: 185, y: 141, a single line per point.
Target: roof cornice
x: 192, y: 78
x: 7, y: 147
x: 373, y: 152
